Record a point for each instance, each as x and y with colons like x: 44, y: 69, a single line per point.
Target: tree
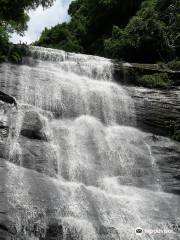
x: 150, y: 36
x: 14, y: 17
x: 131, y: 30
x: 14, y: 13
x: 92, y: 21
x: 61, y: 37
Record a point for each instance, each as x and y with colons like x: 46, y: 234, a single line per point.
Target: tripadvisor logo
x: 139, y: 231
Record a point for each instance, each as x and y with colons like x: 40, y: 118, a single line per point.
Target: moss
x: 174, y: 65
x: 157, y: 80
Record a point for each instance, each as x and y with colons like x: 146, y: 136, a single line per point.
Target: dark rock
x: 33, y: 126
x: 3, y: 227
x: 33, y: 148
x: 108, y: 233
x: 8, y: 99
x: 168, y: 164
x: 128, y: 73
x: 157, y: 111
x: 32, y: 134
x: 54, y: 232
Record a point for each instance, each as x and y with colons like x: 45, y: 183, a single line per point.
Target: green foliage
x: 140, y: 31
x: 13, y: 14
x: 15, y: 10
x: 149, y: 35
x: 174, y: 65
x: 119, y: 46
x: 60, y: 37
x: 3, y: 43
x: 91, y: 23
x: 16, y: 53
x: 3, y: 36
x: 10, y: 52
x: 157, y: 80
x: 13, y: 17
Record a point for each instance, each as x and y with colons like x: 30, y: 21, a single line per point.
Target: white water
x: 107, y: 182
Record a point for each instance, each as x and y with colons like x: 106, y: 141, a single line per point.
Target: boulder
x: 33, y: 126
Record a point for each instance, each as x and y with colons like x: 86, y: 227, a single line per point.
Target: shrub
x: 17, y: 52
x: 157, y: 80
x: 174, y: 65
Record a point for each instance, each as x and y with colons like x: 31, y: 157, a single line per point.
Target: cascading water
x: 85, y: 172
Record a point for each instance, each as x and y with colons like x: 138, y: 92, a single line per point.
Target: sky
x: 39, y: 19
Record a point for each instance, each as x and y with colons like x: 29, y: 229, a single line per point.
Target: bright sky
x: 39, y: 19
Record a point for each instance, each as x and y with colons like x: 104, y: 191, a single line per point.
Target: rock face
x: 157, y: 111
x: 33, y: 126
x: 128, y: 72
x: 8, y: 99
x: 80, y: 159
x: 27, y: 141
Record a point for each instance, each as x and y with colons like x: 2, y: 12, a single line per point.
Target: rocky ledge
x: 157, y: 111
x: 24, y: 135
x: 129, y: 72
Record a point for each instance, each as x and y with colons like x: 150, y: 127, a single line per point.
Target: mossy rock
x: 174, y: 65
x: 156, y: 80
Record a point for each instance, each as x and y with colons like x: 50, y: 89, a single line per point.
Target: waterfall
x: 79, y: 168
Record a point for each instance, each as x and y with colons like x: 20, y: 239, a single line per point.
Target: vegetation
x: 8, y: 51
x: 174, y: 65
x: 139, y: 31
x: 14, y: 18
x: 91, y: 23
x: 157, y: 80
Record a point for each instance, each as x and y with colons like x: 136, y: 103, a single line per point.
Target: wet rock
x: 54, y: 232
x: 4, y: 149
x: 167, y: 162
x: 33, y: 126
x: 5, y: 226
x: 38, y: 155
x: 128, y: 73
x: 108, y: 233
x: 32, y: 193
x: 157, y: 111
x: 7, y: 99
x: 33, y: 147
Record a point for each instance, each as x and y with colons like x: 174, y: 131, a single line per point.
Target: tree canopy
x: 15, y: 13
x: 141, y: 30
x: 14, y: 17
